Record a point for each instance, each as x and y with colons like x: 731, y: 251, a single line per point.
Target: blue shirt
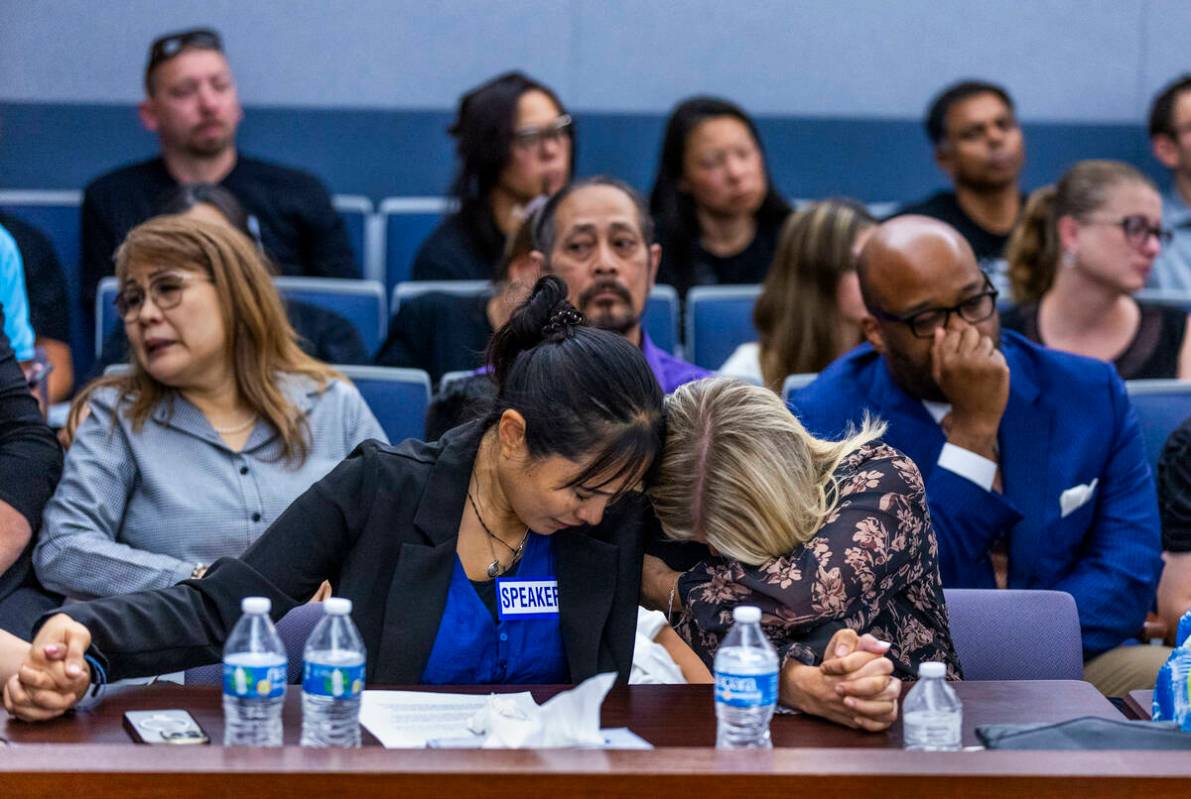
x: 14, y: 299
x: 1172, y: 267
x: 473, y: 649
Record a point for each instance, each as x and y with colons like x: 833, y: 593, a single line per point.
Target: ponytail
x: 1033, y: 250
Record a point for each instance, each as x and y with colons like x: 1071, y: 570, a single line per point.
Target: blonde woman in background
x: 821, y: 535
x: 221, y: 422
x: 1083, y: 248
x: 810, y: 307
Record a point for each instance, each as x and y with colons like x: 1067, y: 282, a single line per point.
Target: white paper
x: 411, y: 719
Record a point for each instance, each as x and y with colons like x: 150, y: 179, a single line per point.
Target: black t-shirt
x: 45, y: 285
x: 460, y: 248
x: 703, y: 268
x: 301, y: 231
x: 1174, y: 490
x: 944, y: 207
x: 439, y: 332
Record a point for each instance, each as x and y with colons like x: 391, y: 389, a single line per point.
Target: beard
x: 616, y: 316
x: 209, y: 145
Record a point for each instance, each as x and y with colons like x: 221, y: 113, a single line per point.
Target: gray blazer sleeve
x: 78, y: 554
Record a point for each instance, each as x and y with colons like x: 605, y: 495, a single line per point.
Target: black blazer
x: 382, y: 527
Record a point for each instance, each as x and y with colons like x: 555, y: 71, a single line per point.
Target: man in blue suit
x: 1035, y: 471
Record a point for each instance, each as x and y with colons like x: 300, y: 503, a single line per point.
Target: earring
x: 1068, y: 259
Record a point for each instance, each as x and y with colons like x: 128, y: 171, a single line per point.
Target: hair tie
x: 562, y: 321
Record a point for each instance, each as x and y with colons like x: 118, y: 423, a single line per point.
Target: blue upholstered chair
x: 397, y: 397
x: 1015, y: 635
x: 718, y: 320
x: 1161, y: 406
x: 293, y: 628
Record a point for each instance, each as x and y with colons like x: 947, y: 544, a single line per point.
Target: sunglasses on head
x: 166, y: 47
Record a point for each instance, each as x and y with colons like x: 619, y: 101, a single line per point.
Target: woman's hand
x: 55, y: 676
x: 854, y: 685
x: 657, y: 581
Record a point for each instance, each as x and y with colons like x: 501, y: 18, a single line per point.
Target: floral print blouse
x: 872, y: 567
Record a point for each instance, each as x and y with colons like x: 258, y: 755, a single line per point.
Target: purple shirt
x: 670, y: 371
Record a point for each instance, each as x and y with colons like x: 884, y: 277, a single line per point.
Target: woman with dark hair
x: 542, y: 489
x: 515, y: 142
x: 810, y: 308
x: 717, y: 211
x: 1082, y: 249
x: 322, y: 334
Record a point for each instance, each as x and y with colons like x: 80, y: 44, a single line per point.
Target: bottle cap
x: 338, y: 606
x: 256, y: 604
x: 931, y: 668
x: 749, y: 614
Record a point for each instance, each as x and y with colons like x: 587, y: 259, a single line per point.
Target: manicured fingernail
x: 839, y: 689
x: 841, y: 650
x: 884, y: 644
x: 51, y: 649
x: 73, y: 669
x: 850, y: 702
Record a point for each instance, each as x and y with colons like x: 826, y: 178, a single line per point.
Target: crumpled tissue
x: 571, y: 718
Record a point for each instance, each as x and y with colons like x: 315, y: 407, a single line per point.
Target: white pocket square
x: 1076, y: 497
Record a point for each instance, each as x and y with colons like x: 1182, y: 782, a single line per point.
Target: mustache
x: 605, y: 285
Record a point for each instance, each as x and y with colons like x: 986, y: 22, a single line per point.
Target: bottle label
x: 746, y: 690
x: 253, y: 682
x: 337, y: 682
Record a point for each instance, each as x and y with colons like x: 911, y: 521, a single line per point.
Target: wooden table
x: 92, y: 755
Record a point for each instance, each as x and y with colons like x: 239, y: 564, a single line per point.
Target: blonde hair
x: 1034, y: 249
x: 741, y: 473
x: 260, y: 344
x: 797, y: 315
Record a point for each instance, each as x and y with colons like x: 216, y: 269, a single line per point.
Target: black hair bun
x: 545, y: 316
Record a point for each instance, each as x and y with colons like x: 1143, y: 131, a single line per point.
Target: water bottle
x: 745, y: 684
x: 932, y: 717
x: 254, y: 668
x: 332, y: 679
x: 1162, y: 708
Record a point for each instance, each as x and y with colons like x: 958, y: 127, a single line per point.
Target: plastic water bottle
x: 254, y: 667
x: 1162, y: 708
x: 745, y: 684
x: 932, y: 717
x: 332, y: 679
x: 1179, y: 678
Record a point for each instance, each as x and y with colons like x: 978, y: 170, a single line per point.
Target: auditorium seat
x: 1179, y: 299
x: 356, y: 213
x: 361, y: 302
x: 397, y: 397
x: 661, y: 309
x: 404, y: 224
x: 795, y: 382
x: 1015, y: 635
x: 293, y: 628
x: 1161, y: 406
x: 718, y: 320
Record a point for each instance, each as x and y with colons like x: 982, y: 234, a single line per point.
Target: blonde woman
x: 819, y: 534
x: 220, y: 424
x: 810, y: 307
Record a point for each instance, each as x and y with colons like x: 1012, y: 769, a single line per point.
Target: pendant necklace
x: 496, y: 568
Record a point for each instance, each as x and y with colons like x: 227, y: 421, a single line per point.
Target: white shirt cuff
x: 967, y: 464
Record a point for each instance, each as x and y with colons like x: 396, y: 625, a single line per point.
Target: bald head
x: 907, y: 256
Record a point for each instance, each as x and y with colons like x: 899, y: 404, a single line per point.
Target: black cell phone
x: 164, y: 727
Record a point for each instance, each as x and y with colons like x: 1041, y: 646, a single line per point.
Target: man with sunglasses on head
x: 192, y: 105
x: 1036, y: 475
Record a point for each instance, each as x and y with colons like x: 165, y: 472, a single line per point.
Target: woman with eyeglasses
x: 715, y: 205
x: 1083, y: 248
x: 515, y: 142
x: 220, y: 423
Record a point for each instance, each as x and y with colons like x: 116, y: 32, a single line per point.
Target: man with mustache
x: 192, y: 105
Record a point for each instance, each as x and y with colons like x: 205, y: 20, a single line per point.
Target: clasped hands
x: 54, y: 676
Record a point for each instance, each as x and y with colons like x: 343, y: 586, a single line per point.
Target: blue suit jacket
x: 1068, y: 422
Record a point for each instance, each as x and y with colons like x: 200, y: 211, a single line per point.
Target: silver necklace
x: 496, y: 568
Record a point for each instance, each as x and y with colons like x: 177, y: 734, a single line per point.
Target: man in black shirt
x: 191, y: 104
x: 979, y: 144
x: 49, y: 309
x: 30, y: 465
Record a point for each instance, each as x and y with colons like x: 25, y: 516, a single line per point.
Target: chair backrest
x: 1161, y: 406
x: 56, y: 214
x: 356, y: 213
x: 795, y: 382
x: 1179, y: 299
x: 293, y: 629
x: 405, y: 222
x: 403, y: 292
x: 361, y: 302
x: 1015, y: 635
x: 718, y: 320
x: 398, y: 398
x: 661, y: 318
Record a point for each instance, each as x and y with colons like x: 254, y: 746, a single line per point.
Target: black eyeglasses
x: 923, y: 324
x: 166, y: 47
x: 1137, y: 229
x: 529, y: 138
x: 165, y: 290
